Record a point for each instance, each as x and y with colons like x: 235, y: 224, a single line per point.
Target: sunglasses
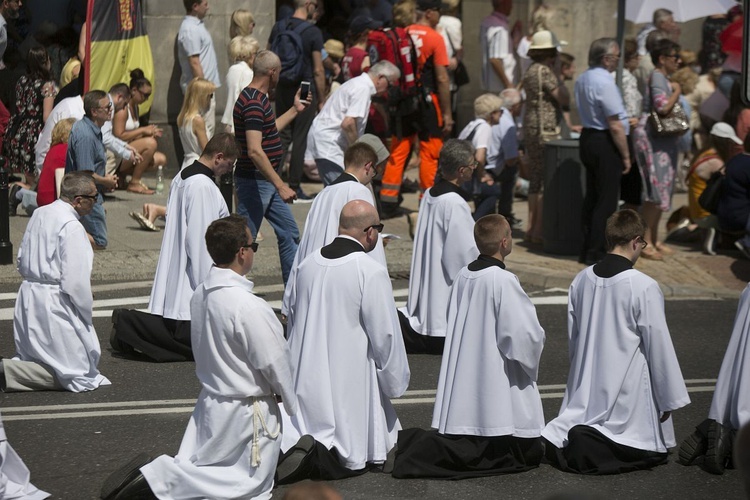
x: 91, y: 197
x: 377, y: 227
x: 253, y: 246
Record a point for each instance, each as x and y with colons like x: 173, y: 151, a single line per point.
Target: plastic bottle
x: 160, y: 180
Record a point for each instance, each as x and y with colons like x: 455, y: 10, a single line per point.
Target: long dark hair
x: 36, y: 64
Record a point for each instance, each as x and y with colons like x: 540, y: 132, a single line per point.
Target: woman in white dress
x: 190, y: 121
x: 242, y: 50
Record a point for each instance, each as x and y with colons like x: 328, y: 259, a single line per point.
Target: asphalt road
x: 72, y: 442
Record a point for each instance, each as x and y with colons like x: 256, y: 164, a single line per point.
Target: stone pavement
x: 133, y: 253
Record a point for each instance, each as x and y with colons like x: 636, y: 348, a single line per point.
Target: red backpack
x: 396, y: 46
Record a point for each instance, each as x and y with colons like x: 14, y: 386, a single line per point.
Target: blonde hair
x: 540, y: 19
x: 243, y: 48
x: 61, y: 132
x: 687, y: 78
x: 242, y: 23
x: 197, y: 99
x: 486, y: 104
x: 404, y: 13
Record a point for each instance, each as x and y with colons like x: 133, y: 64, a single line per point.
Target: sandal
x: 143, y: 222
x: 651, y: 254
x: 139, y: 188
x: 664, y: 249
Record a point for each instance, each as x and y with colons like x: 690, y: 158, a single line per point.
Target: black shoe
x: 114, y: 342
x: 409, y: 186
x: 719, y: 448
x: 291, y: 461
x: 694, y: 446
x: 392, y: 211
x: 302, y: 197
x: 13, y: 200
x: 514, y: 223
x: 127, y: 479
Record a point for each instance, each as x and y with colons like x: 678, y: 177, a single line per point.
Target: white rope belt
x: 259, y: 421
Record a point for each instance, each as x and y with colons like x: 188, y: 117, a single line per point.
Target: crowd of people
x: 307, y: 395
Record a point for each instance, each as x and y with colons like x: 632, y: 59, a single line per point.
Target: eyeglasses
x: 253, y: 246
x: 377, y: 227
x: 643, y: 242
x: 474, y: 164
x: 92, y: 197
x: 108, y: 106
x: 145, y: 95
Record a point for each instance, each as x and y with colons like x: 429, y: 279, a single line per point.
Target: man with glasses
x: 604, y: 144
x: 443, y: 244
x: 348, y: 356
x: 194, y: 202
x: 344, y: 117
x: 56, y: 344
x: 624, y: 378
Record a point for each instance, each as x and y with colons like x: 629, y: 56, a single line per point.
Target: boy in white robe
x: 443, y: 244
x: 348, y: 356
x: 322, y: 223
x: 56, y: 344
x: 14, y: 475
x: 488, y: 412
x: 232, y: 441
x: 195, y: 201
x: 624, y: 378
x: 730, y: 406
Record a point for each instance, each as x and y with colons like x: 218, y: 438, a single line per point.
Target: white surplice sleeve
x: 200, y: 212
x: 668, y: 384
x: 460, y: 249
x: 520, y: 337
x: 76, y: 259
x: 381, y: 325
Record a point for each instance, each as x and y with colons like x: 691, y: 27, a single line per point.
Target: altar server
x: 730, y: 407
x: 231, y: 444
x: 348, y: 355
x: 322, y: 223
x: 488, y: 413
x: 14, y: 475
x: 194, y: 202
x: 443, y: 244
x: 624, y: 378
x: 56, y: 344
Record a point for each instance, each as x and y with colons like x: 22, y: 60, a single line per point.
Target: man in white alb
x: 624, y: 379
x: 443, y: 244
x: 14, y: 475
x: 488, y: 413
x: 348, y: 356
x: 231, y: 444
x: 194, y: 202
x: 56, y: 344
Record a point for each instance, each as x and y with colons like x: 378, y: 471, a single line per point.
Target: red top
x: 45, y: 190
x: 351, y: 64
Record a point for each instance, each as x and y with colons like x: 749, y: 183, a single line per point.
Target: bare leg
x: 651, y: 215
x: 152, y: 211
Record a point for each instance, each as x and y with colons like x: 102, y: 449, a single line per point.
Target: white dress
x: 623, y: 369
x: 231, y: 445
x: 52, y: 321
x: 348, y: 355
x: 239, y: 76
x: 190, y: 144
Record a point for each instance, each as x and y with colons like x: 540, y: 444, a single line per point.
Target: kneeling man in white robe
x: 232, y: 441
x: 14, y: 475
x: 730, y: 406
x: 56, y: 344
x: 363, y: 164
x: 624, y: 378
x: 348, y: 356
x: 443, y: 244
x: 488, y: 412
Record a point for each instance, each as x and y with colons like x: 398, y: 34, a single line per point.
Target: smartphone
x: 305, y: 94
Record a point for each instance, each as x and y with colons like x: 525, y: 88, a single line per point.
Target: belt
x: 258, y: 423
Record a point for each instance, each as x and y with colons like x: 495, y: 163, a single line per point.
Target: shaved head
x: 356, y: 216
x: 489, y: 234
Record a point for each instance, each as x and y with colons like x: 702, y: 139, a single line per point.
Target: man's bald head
x: 356, y: 220
x: 492, y: 235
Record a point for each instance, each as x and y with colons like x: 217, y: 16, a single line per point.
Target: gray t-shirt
x: 194, y: 39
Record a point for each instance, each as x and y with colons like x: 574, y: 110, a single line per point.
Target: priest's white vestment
x: 443, y: 244
x: 231, y: 445
x: 14, y: 475
x: 623, y: 369
x: 322, y: 224
x: 194, y: 203
x: 348, y: 355
x: 731, y: 402
x: 487, y: 384
x: 53, y: 316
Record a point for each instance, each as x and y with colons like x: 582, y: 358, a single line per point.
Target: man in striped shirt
x: 260, y: 190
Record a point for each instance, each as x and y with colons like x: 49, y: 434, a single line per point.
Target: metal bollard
x: 226, y: 186
x: 6, y: 246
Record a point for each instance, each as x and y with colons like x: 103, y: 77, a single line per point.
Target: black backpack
x: 288, y: 46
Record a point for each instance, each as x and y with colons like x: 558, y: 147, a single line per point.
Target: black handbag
x: 460, y: 74
x: 709, y: 198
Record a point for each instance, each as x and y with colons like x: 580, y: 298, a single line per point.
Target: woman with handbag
x: 656, y: 141
x: 541, y: 122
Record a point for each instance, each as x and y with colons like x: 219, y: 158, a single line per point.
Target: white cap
x: 544, y: 40
x: 725, y: 131
x: 377, y: 145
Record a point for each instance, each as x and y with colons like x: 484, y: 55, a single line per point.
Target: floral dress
x: 26, y: 124
x: 541, y: 120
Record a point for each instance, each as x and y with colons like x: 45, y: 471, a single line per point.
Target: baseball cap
x: 375, y: 143
x: 362, y: 23
x: 725, y: 131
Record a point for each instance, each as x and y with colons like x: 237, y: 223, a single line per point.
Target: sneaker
x: 514, y: 223
x: 743, y: 249
x: 708, y: 241
x: 302, y: 197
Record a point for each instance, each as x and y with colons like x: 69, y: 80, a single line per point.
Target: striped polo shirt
x: 253, y: 111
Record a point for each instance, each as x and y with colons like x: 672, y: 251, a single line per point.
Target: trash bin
x: 564, y: 189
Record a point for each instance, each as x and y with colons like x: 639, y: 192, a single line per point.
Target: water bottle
x: 160, y: 180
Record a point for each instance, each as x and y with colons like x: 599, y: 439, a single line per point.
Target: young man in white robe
x: 348, y: 356
x: 624, y: 379
x: 443, y: 244
x: 163, y: 334
x: 730, y: 406
x: 488, y: 415
x: 322, y: 224
x: 56, y: 344
x: 14, y: 475
x: 232, y: 441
